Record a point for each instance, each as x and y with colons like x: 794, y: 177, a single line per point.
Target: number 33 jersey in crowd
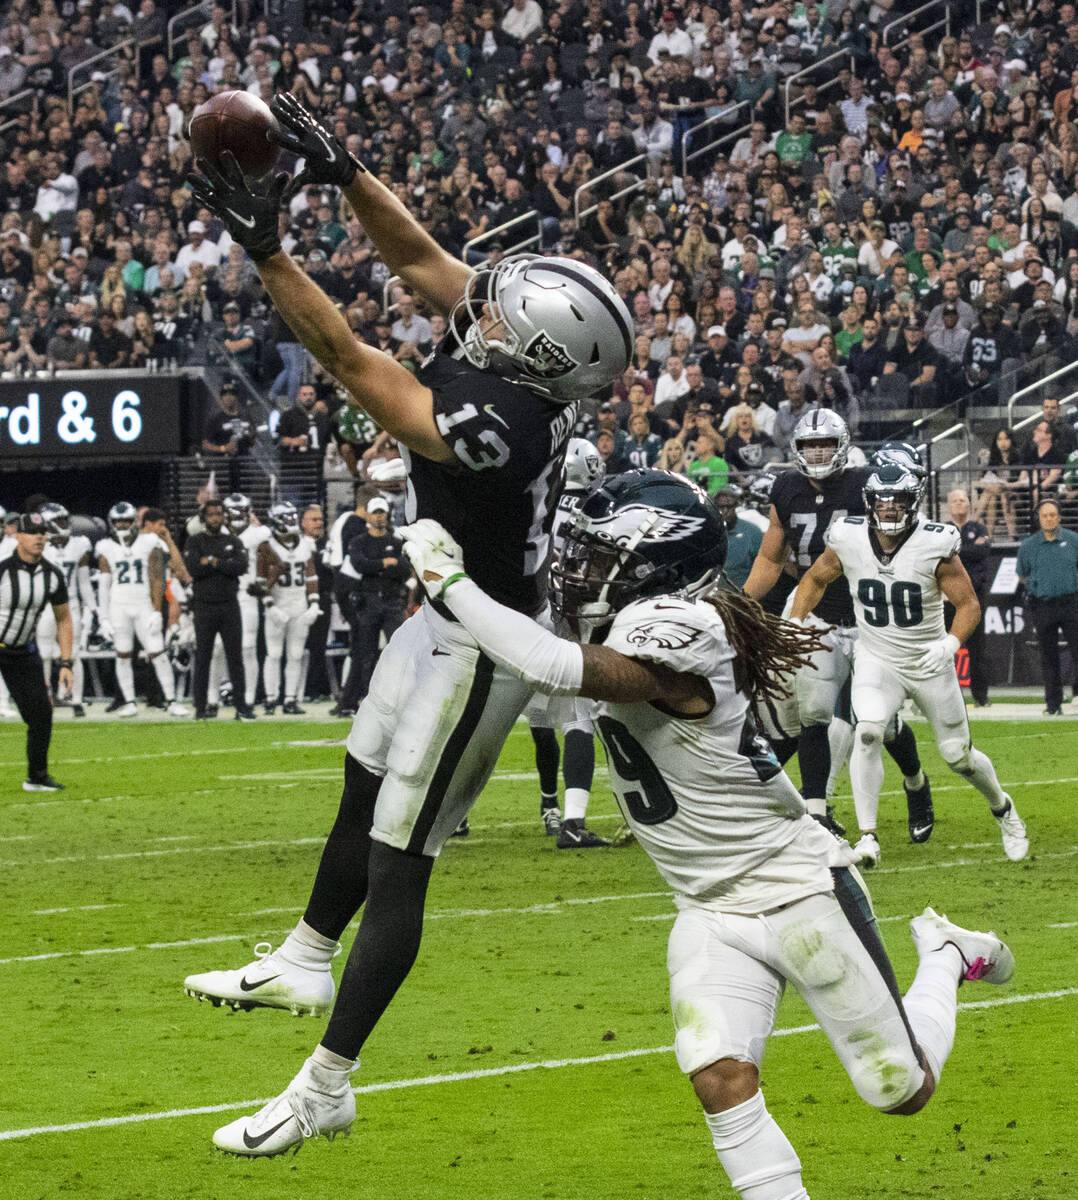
x: 498, y: 496
x: 705, y: 796
x: 806, y: 513
x: 896, y: 597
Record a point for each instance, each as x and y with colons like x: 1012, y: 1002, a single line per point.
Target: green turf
x: 188, y: 832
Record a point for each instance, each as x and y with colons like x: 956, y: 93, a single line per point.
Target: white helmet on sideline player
x: 123, y: 522
x: 811, y: 433
x: 554, y: 325
x: 583, y: 466
x: 237, y: 512
x: 284, y: 519
x: 57, y: 522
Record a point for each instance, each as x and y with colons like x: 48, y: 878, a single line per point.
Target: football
x: 239, y: 122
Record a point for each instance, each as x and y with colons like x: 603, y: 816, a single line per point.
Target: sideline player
x: 678, y: 670
x: 900, y: 567
x: 482, y: 425
x: 289, y: 582
x: 584, y: 469
x: 239, y: 524
x: 132, y: 590
x: 72, y: 554
x: 804, y: 504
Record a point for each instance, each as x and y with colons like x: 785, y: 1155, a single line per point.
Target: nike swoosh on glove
x: 434, y: 553
x: 250, y: 209
x: 325, y: 160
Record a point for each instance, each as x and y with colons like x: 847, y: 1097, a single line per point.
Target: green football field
x: 528, y: 1054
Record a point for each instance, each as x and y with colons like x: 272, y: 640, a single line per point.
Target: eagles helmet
x: 820, y: 425
x: 902, y: 454
x: 759, y: 491
x: 897, y: 486
x: 57, y: 523
x: 641, y: 533
x: 284, y: 518
x: 237, y: 512
x: 583, y: 466
x: 123, y: 522
x: 553, y: 325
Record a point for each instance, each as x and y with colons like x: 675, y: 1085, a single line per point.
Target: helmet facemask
x: 892, y: 497
x: 819, y: 457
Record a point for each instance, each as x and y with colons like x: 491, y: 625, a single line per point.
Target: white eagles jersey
x: 290, y: 588
x: 252, y: 537
x: 7, y: 547
x: 897, y: 599
x: 705, y: 796
x: 130, y: 567
x: 568, y: 503
x: 67, y: 557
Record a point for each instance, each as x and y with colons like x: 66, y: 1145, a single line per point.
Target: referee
x: 216, y: 559
x: 28, y: 581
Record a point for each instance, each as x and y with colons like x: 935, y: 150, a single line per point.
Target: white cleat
x: 317, y: 1103
x: 271, y: 981
x: 984, y: 956
x: 867, y: 850
x: 130, y: 709
x: 1013, y: 831
x: 178, y: 709
x: 7, y: 712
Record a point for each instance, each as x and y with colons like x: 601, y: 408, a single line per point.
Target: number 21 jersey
x: 130, y: 568
x: 806, y: 513
x: 896, y: 597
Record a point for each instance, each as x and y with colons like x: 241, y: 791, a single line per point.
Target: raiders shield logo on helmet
x: 548, y: 358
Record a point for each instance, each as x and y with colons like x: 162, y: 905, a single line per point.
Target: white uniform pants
x: 728, y: 973
x: 818, y: 683
x: 249, y: 644
x: 566, y: 713
x: 286, y: 633
x: 49, y: 646
x: 433, y: 723
x: 136, y: 621
x: 879, y: 691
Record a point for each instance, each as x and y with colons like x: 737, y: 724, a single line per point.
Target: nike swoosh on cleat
x: 250, y: 987
x: 246, y: 222
x: 252, y: 1143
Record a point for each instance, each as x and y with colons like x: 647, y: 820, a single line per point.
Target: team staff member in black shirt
x: 371, y: 583
x: 974, y: 556
x: 216, y: 559
x: 28, y: 581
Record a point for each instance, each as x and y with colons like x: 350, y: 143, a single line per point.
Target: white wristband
x: 554, y: 665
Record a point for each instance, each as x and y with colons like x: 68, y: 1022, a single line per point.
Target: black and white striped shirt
x: 25, y: 589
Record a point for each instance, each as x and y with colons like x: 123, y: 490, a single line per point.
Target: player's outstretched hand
x: 435, y: 554
x: 250, y: 210
x: 325, y: 160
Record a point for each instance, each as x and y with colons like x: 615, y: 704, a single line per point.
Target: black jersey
x: 498, y: 496
x: 805, y: 513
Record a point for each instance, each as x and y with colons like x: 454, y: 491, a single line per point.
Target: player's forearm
x: 550, y: 663
x: 84, y: 588
x: 104, y: 590
x: 65, y: 632
x: 808, y: 594
x: 762, y: 578
x: 967, y: 616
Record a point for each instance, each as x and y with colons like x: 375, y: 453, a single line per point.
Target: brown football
x: 239, y: 122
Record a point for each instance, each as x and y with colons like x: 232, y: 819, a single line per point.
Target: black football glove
x: 325, y: 160
x: 250, y: 210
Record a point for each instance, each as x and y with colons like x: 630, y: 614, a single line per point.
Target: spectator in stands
x: 912, y: 358
x: 238, y: 338
x: 1042, y: 463
x: 1063, y: 433
x: 747, y: 449
x: 992, y: 348
x: 301, y: 436
x: 66, y: 352
x: 109, y: 349
x: 1048, y: 568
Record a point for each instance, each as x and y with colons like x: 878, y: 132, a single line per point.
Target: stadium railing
x: 1022, y: 394
x: 812, y: 69
x: 589, y: 184
x: 472, y: 245
x: 93, y: 60
x: 692, y: 133
x: 905, y: 21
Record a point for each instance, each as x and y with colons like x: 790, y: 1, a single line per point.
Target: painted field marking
x: 51, y: 912
x: 460, y: 1076
x: 126, y: 854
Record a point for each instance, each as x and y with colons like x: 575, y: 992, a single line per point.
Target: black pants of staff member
x: 24, y: 675
x: 210, y: 620
x: 317, y: 677
x: 1050, y: 617
x: 369, y: 615
x: 975, y: 645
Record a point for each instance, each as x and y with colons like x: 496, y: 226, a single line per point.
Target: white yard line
x: 459, y: 1076
x: 125, y: 854
x: 51, y: 912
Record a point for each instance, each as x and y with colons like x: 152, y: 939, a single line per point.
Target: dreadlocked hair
x: 768, y: 649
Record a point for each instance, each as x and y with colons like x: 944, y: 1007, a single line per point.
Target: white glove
x: 276, y: 616
x: 939, y: 656
x: 84, y: 632
x: 311, y: 615
x: 437, y: 558
x: 104, y: 628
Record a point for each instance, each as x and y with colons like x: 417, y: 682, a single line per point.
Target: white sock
x: 307, y: 947
x: 840, y: 739
x: 271, y: 677
x: 755, y: 1153
x: 163, y: 670
x: 78, y: 687
x: 983, y: 777
x: 329, y: 1071
x: 576, y: 804
x: 250, y: 675
x: 866, y: 774
x: 932, y: 1005
x: 292, y: 668
x: 125, y: 677
x: 913, y: 782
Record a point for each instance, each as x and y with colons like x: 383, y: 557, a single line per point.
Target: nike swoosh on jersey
x: 489, y: 410
x: 250, y: 987
x: 442, y: 653
x: 246, y: 222
x: 252, y: 1143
